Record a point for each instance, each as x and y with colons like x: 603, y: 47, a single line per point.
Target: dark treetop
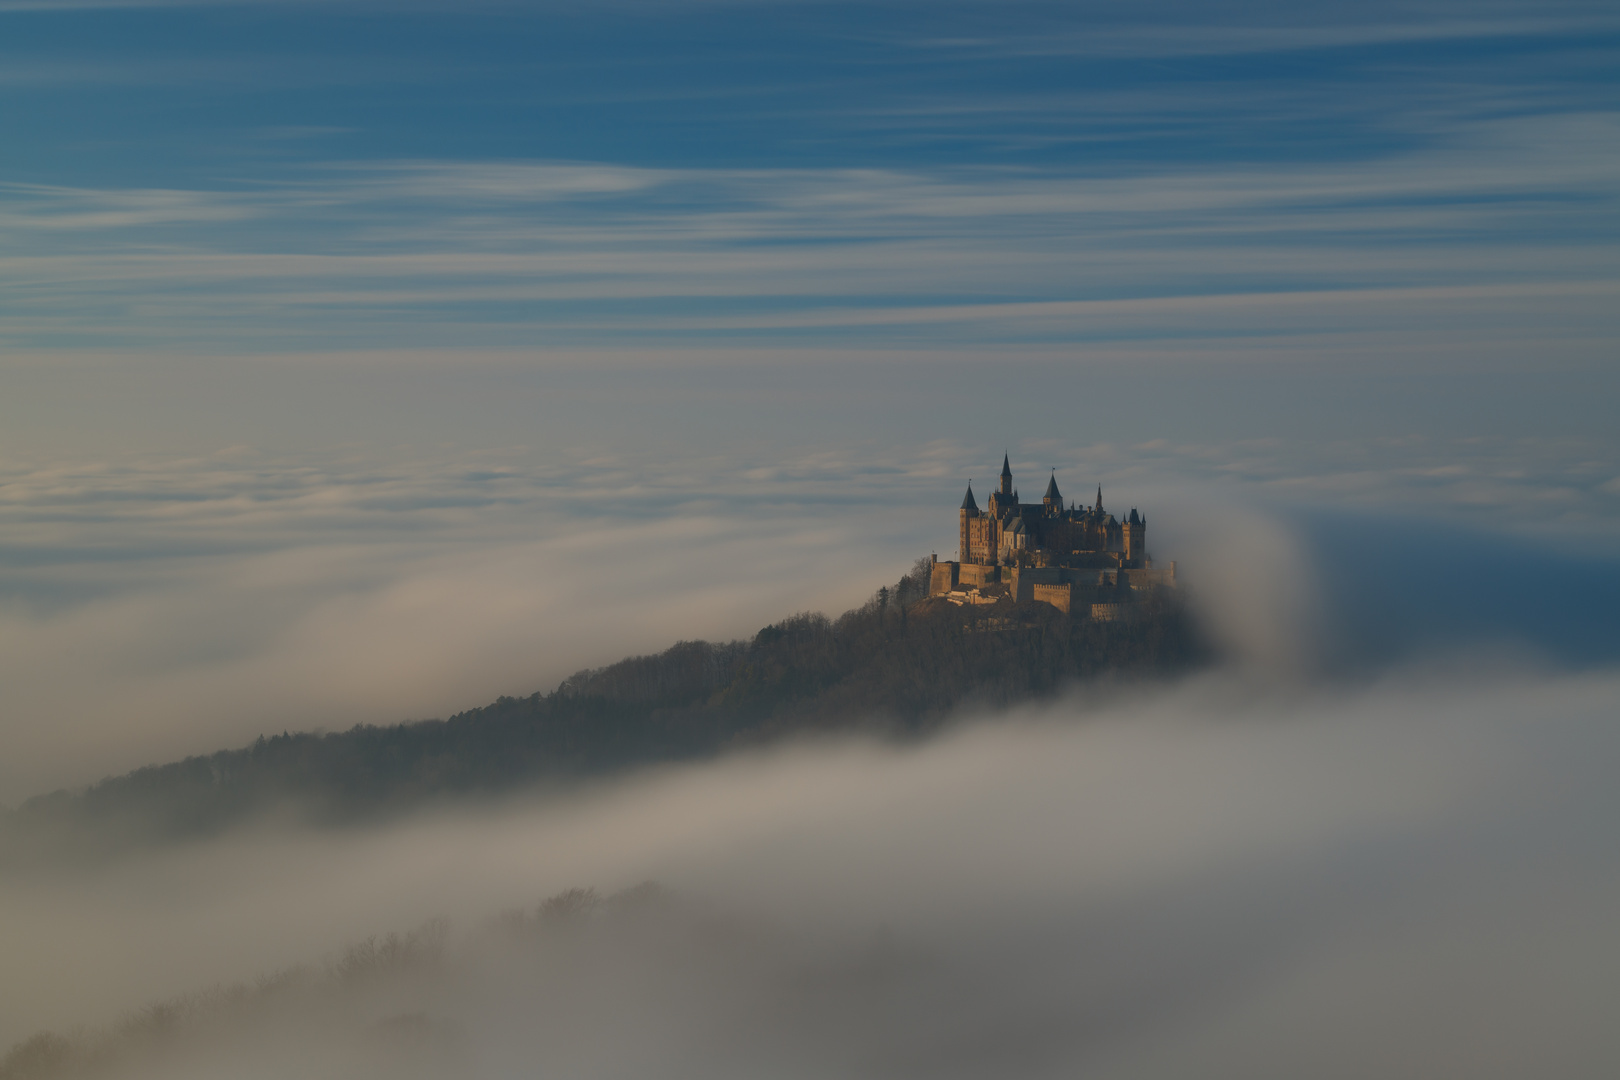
x: 896, y: 667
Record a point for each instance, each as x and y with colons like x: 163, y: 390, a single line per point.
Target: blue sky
x: 176, y: 94
x: 530, y: 175
x: 1408, y: 195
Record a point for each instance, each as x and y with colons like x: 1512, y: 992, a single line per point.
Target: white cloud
x: 594, y: 253
x: 157, y: 609
x: 1207, y: 878
x: 1306, y: 32
x: 151, y: 608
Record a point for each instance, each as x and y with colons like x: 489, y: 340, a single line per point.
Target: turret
x: 1052, y: 500
x: 1135, y: 538
x: 1006, y: 476
x: 969, y: 511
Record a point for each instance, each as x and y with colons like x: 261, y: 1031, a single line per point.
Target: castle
x: 1081, y: 560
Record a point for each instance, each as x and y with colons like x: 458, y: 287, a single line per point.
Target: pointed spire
x: 1052, y: 495
x: 1099, y: 498
x: 1006, y: 466
x: 968, y: 503
x: 1006, y: 476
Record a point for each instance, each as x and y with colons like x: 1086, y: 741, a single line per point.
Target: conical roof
x: 1006, y: 467
x: 1051, y: 489
x: 968, y: 503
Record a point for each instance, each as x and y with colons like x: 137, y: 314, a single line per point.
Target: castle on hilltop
x: 1081, y: 560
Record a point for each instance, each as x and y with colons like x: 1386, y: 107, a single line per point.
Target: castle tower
x: 1135, y: 537
x: 1052, y: 500
x: 970, y: 510
x: 1098, y: 507
x: 1006, y: 476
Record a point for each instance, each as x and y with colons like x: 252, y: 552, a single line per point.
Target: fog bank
x: 1414, y: 879
x: 154, y: 608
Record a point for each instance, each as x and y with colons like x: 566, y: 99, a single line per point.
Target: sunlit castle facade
x: 1079, y: 559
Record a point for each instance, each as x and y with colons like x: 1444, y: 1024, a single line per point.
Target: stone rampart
x: 1150, y: 579
x: 978, y: 574
x: 1059, y: 596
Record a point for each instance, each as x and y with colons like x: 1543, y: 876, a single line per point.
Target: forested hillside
x: 897, y: 666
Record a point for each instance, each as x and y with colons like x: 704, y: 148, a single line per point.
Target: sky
x: 743, y: 224
x: 365, y: 361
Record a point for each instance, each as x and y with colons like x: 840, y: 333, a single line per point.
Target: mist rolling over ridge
x: 1202, y: 877
x: 1353, y: 845
x: 161, y: 609
x: 1283, y: 593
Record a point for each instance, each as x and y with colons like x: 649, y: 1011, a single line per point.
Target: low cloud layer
x: 1414, y: 879
x: 155, y: 608
x: 157, y: 612
x: 1374, y: 842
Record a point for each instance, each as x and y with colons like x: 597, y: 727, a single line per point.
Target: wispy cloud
x: 52, y: 208
x: 1506, y: 207
x: 1305, y: 32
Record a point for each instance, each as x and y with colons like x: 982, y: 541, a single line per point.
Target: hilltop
x: 898, y: 666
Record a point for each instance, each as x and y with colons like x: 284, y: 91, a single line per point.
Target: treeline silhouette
x: 896, y: 666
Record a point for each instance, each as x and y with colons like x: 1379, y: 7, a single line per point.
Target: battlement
x: 1081, y: 560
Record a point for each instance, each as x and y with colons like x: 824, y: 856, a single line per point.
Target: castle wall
x: 1021, y: 580
x: 1148, y: 579
x: 950, y: 576
x: 1067, y: 588
x: 1090, y: 560
x: 975, y: 574
x: 1059, y: 596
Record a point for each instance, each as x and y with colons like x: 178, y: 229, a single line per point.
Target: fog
x: 1376, y: 839
x: 152, y: 608
x: 1218, y: 877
